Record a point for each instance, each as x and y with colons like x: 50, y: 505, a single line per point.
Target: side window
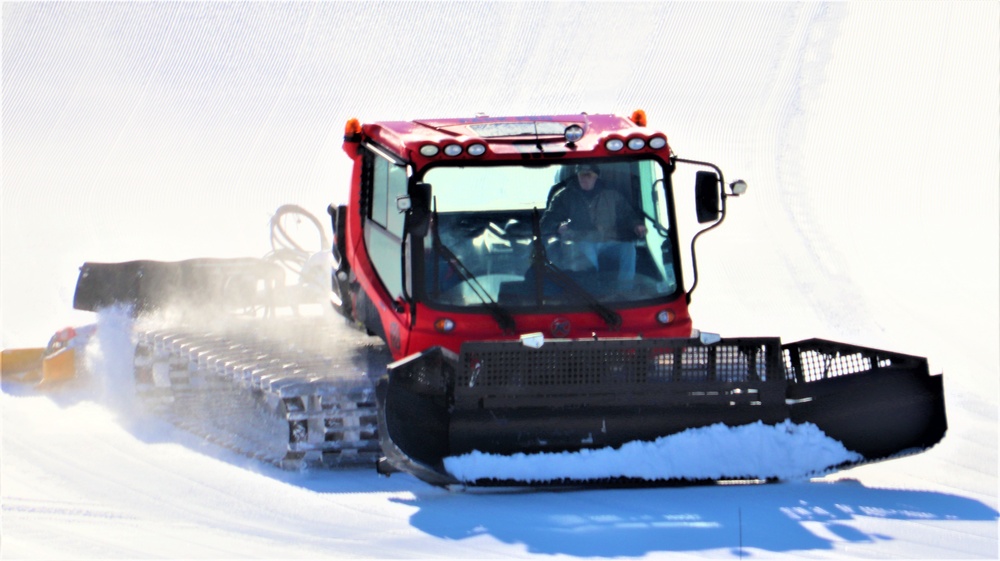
x: 397, y: 188
x: 388, y: 184
x: 653, y: 197
x: 654, y: 206
x: 384, y: 227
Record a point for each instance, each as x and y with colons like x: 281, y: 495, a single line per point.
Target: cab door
x: 385, y: 181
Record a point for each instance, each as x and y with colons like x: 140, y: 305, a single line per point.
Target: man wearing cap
x: 595, y: 219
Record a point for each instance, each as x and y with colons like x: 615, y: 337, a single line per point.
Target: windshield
x: 509, y: 235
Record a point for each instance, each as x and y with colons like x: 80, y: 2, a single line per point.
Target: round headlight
x: 444, y: 325
x: 452, y: 150
x: 476, y: 149
x: 614, y: 144
x: 636, y: 144
x: 573, y: 133
x: 429, y: 150
x: 665, y: 317
x: 657, y: 142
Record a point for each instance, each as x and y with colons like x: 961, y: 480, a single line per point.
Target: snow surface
x: 868, y: 133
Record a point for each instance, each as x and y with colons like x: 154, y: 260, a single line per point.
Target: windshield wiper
x: 502, y: 317
x: 612, y: 318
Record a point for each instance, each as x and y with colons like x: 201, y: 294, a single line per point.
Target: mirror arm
x: 722, y: 216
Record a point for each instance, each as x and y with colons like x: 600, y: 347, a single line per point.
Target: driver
x: 596, y: 219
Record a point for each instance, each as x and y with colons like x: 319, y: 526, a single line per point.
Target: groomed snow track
x: 291, y: 393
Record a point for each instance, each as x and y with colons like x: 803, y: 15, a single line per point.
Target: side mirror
x: 418, y: 209
x: 706, y: 196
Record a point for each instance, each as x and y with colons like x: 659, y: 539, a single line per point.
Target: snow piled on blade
x: 755, y: 451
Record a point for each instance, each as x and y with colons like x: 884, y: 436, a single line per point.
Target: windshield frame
x: 421, y: 253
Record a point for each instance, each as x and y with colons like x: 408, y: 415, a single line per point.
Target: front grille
x: 817, y: 359
x: 607, y: 371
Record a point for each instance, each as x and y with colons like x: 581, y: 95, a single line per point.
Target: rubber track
x: 290, y: 404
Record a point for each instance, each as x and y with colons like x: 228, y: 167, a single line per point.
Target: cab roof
x: 404, y: 137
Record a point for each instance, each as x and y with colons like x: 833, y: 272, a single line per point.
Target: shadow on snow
x: 635, y: 522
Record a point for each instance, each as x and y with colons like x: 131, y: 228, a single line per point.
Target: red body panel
x: 580, y: 325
